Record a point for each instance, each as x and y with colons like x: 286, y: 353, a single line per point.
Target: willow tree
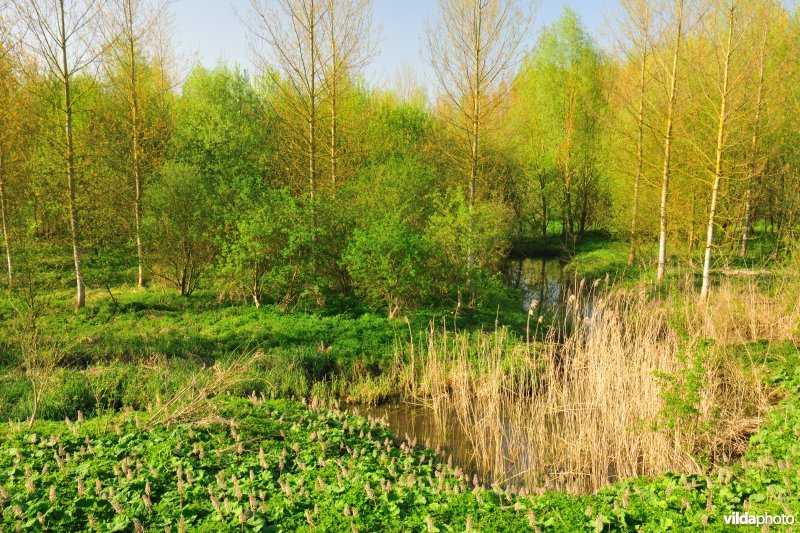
x: 560, y: 101
x: 133, y: 28
x: 473, y: 47
x: 63, y: 36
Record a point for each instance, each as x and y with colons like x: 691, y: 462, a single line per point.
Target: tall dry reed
x: 585, y: 405
x: 741, y: 312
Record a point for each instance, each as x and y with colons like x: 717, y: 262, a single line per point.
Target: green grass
x: 156, y: 322
x: 595, y: 254
x: 152, y: 341
x: 598, y: 255
x: 284, y: 466
x: 124, y: 358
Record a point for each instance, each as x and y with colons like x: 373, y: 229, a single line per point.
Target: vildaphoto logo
x: 747, y: 519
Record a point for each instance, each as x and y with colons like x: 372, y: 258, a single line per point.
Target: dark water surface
x: 538, y: 279
x: 442, y: 433
x: 445, y: 434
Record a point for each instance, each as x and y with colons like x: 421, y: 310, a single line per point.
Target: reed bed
x: 585, y: 404
x: 739, y: 313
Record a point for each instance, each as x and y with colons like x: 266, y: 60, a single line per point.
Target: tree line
x: 305, y: 183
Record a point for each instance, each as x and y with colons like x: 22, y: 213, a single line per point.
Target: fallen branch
x: 744, y: 272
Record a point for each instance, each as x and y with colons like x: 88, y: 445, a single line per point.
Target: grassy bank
x: 598, y: 253
x: 672, y: 412
x: 145, y: 344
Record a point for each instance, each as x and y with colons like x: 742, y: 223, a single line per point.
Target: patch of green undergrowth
x: 273, y: 465
x: 280, y: 465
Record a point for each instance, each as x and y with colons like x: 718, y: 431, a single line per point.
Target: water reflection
x: 442, y: 432
x: 515, y: 464
x: 538, y: 279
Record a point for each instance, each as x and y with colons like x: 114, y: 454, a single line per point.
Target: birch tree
x: 133, y: 27
x: 62, y: 35
x: 349, y: 46
x: 287, y: 37
x: 726, y: 50
x: 638, y: 16
x: 9, y: 118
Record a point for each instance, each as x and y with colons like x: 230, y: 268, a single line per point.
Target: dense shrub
x: 469, y: 243
x: 268, y: 254
x: 178, y: 228
x: 387, y: 261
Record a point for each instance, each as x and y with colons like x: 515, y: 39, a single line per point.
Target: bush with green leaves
x: 178, y: 229
x: 387, y: 261
x: 469, y: 243
x: 267, y: 256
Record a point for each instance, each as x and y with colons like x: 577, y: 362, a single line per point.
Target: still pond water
x: 542, y: 280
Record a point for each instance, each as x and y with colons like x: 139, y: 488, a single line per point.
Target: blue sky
x: 210, y: 31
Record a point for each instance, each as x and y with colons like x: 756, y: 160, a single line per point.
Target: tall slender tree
x: 63, y: 36
x: 288, y: 37
x: 349, y: 45
x: 9, y: 118
x: 726, y: 51
x: 133, y: 27
x: 753, y: 156
x: 639, y: 19
x: 672, y: 80
x: 472, y: 47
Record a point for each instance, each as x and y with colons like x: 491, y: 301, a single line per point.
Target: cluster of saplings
x: 305, y: 183
x: 218, y: 214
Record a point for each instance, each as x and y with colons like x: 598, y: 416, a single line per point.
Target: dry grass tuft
x: 194, y: 401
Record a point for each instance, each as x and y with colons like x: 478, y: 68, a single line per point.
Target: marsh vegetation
x: 560, y: 291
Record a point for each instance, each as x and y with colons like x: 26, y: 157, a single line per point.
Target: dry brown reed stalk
x: 736, y: 397
x: 582, y: 407
x: 739, y: 312
x: 194, y: 401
